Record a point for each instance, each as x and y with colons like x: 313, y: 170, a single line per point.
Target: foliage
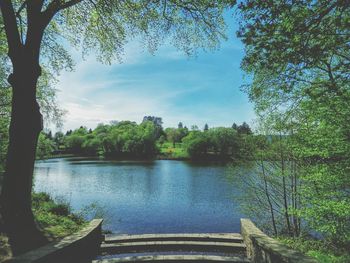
x: 296, y: 40
x: 167, y: 150
x: 175, y: 135
x: 196, y: 144
x: 122, y: 139
x: 243, y: 128
x: 323, y: 252
x: 126, y: 139
x: 268, y: 183
x: 59, y: 139
x: 49, y: 106
x: 4, y: 124
x: 54, y: 217
x: 105, y: 27
x: 298, y: 56
x: 323, y: 141
x: 45, y: 146
x: 157, y: 121
x: 217, y: 142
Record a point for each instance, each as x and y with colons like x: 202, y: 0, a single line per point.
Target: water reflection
x: 145, y: 197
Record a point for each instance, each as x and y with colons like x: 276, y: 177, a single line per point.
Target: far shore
x: 157, y: 157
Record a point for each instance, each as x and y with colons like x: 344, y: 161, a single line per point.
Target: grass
x: 167, y: 149
x: 54, y: 217
x: 322, y: 251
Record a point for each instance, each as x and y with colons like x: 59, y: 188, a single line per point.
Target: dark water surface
x: 145, y: 197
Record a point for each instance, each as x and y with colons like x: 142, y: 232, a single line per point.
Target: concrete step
x: 176, y: 258
x: 213, y: 237
x: 151, y: 246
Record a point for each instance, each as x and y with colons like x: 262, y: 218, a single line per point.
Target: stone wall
x: 80, y: 247
x: 264, y: 249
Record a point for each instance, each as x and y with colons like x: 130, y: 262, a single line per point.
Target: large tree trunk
x: 26, y: 124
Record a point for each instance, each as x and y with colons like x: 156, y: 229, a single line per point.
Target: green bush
x: 55, y: 217
x: 322, y: 250
x: 60, y: 210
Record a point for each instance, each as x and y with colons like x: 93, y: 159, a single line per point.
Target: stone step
x: 152, y: 246
x: 176, y: 258
x: 213, y: 237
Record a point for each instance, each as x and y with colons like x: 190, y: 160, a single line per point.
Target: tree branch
x: 69, y: 4
x: 56, y: 6
x: 11, y: 29
x: 321, y: 14
x: 21, y: 8
x: 36, y: 24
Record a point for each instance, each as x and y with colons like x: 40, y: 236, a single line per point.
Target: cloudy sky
x: 168, y: 84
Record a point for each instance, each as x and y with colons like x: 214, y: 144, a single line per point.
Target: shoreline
x: 157, y: 157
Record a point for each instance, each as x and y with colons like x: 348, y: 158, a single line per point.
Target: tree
x: 49, y: 134
x: 161, y: 140
x: 298, y: 55
x: 270, y: 194
x: 58, y: 139
x: 180, y: 125
x: 244, y: 129
x: 172, y: 135
x: 51, y: 112
x: 98, y: 23
x: 194, y: 128
x: 45, y: 146
x: 223, y: 140
x: 74, y: 142
x: 182, y: 132
x: 206, y: 127
x: 196, y: 143
x: 157, y: 121
x: 91, y: 145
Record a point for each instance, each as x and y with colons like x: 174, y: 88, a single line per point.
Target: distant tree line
x: 219, y: 143
x: 121, y: 139
x: 126, y: 139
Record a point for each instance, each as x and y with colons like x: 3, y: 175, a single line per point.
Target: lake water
x: 145, y: 197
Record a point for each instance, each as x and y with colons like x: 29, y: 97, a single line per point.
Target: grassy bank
x: 170, y: 151
x: 322, y: 251
x: 54, y: 217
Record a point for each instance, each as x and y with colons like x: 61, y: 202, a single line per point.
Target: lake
x: 159, y: 196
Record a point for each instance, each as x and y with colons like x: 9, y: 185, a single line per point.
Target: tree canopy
x: 297, y: 53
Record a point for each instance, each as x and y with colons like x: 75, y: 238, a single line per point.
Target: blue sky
x: 168, y: 84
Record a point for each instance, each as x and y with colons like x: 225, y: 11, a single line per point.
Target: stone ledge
x: 264, y: 249
x: 176, y: 259
x: 79, y: 247
x: 218, y: 237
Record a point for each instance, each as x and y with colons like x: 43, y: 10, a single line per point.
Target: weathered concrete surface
x: 157, y: 246
x: 264, y: 249
x: 213, y: 237
x: 80, y: 247
x: 176, y: 258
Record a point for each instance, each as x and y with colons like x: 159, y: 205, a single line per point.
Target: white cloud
x: 95, y: 93
x: 91, y: 99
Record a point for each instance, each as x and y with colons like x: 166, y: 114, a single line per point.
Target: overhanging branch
x: 56, y: 6
x: 11, y: 29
